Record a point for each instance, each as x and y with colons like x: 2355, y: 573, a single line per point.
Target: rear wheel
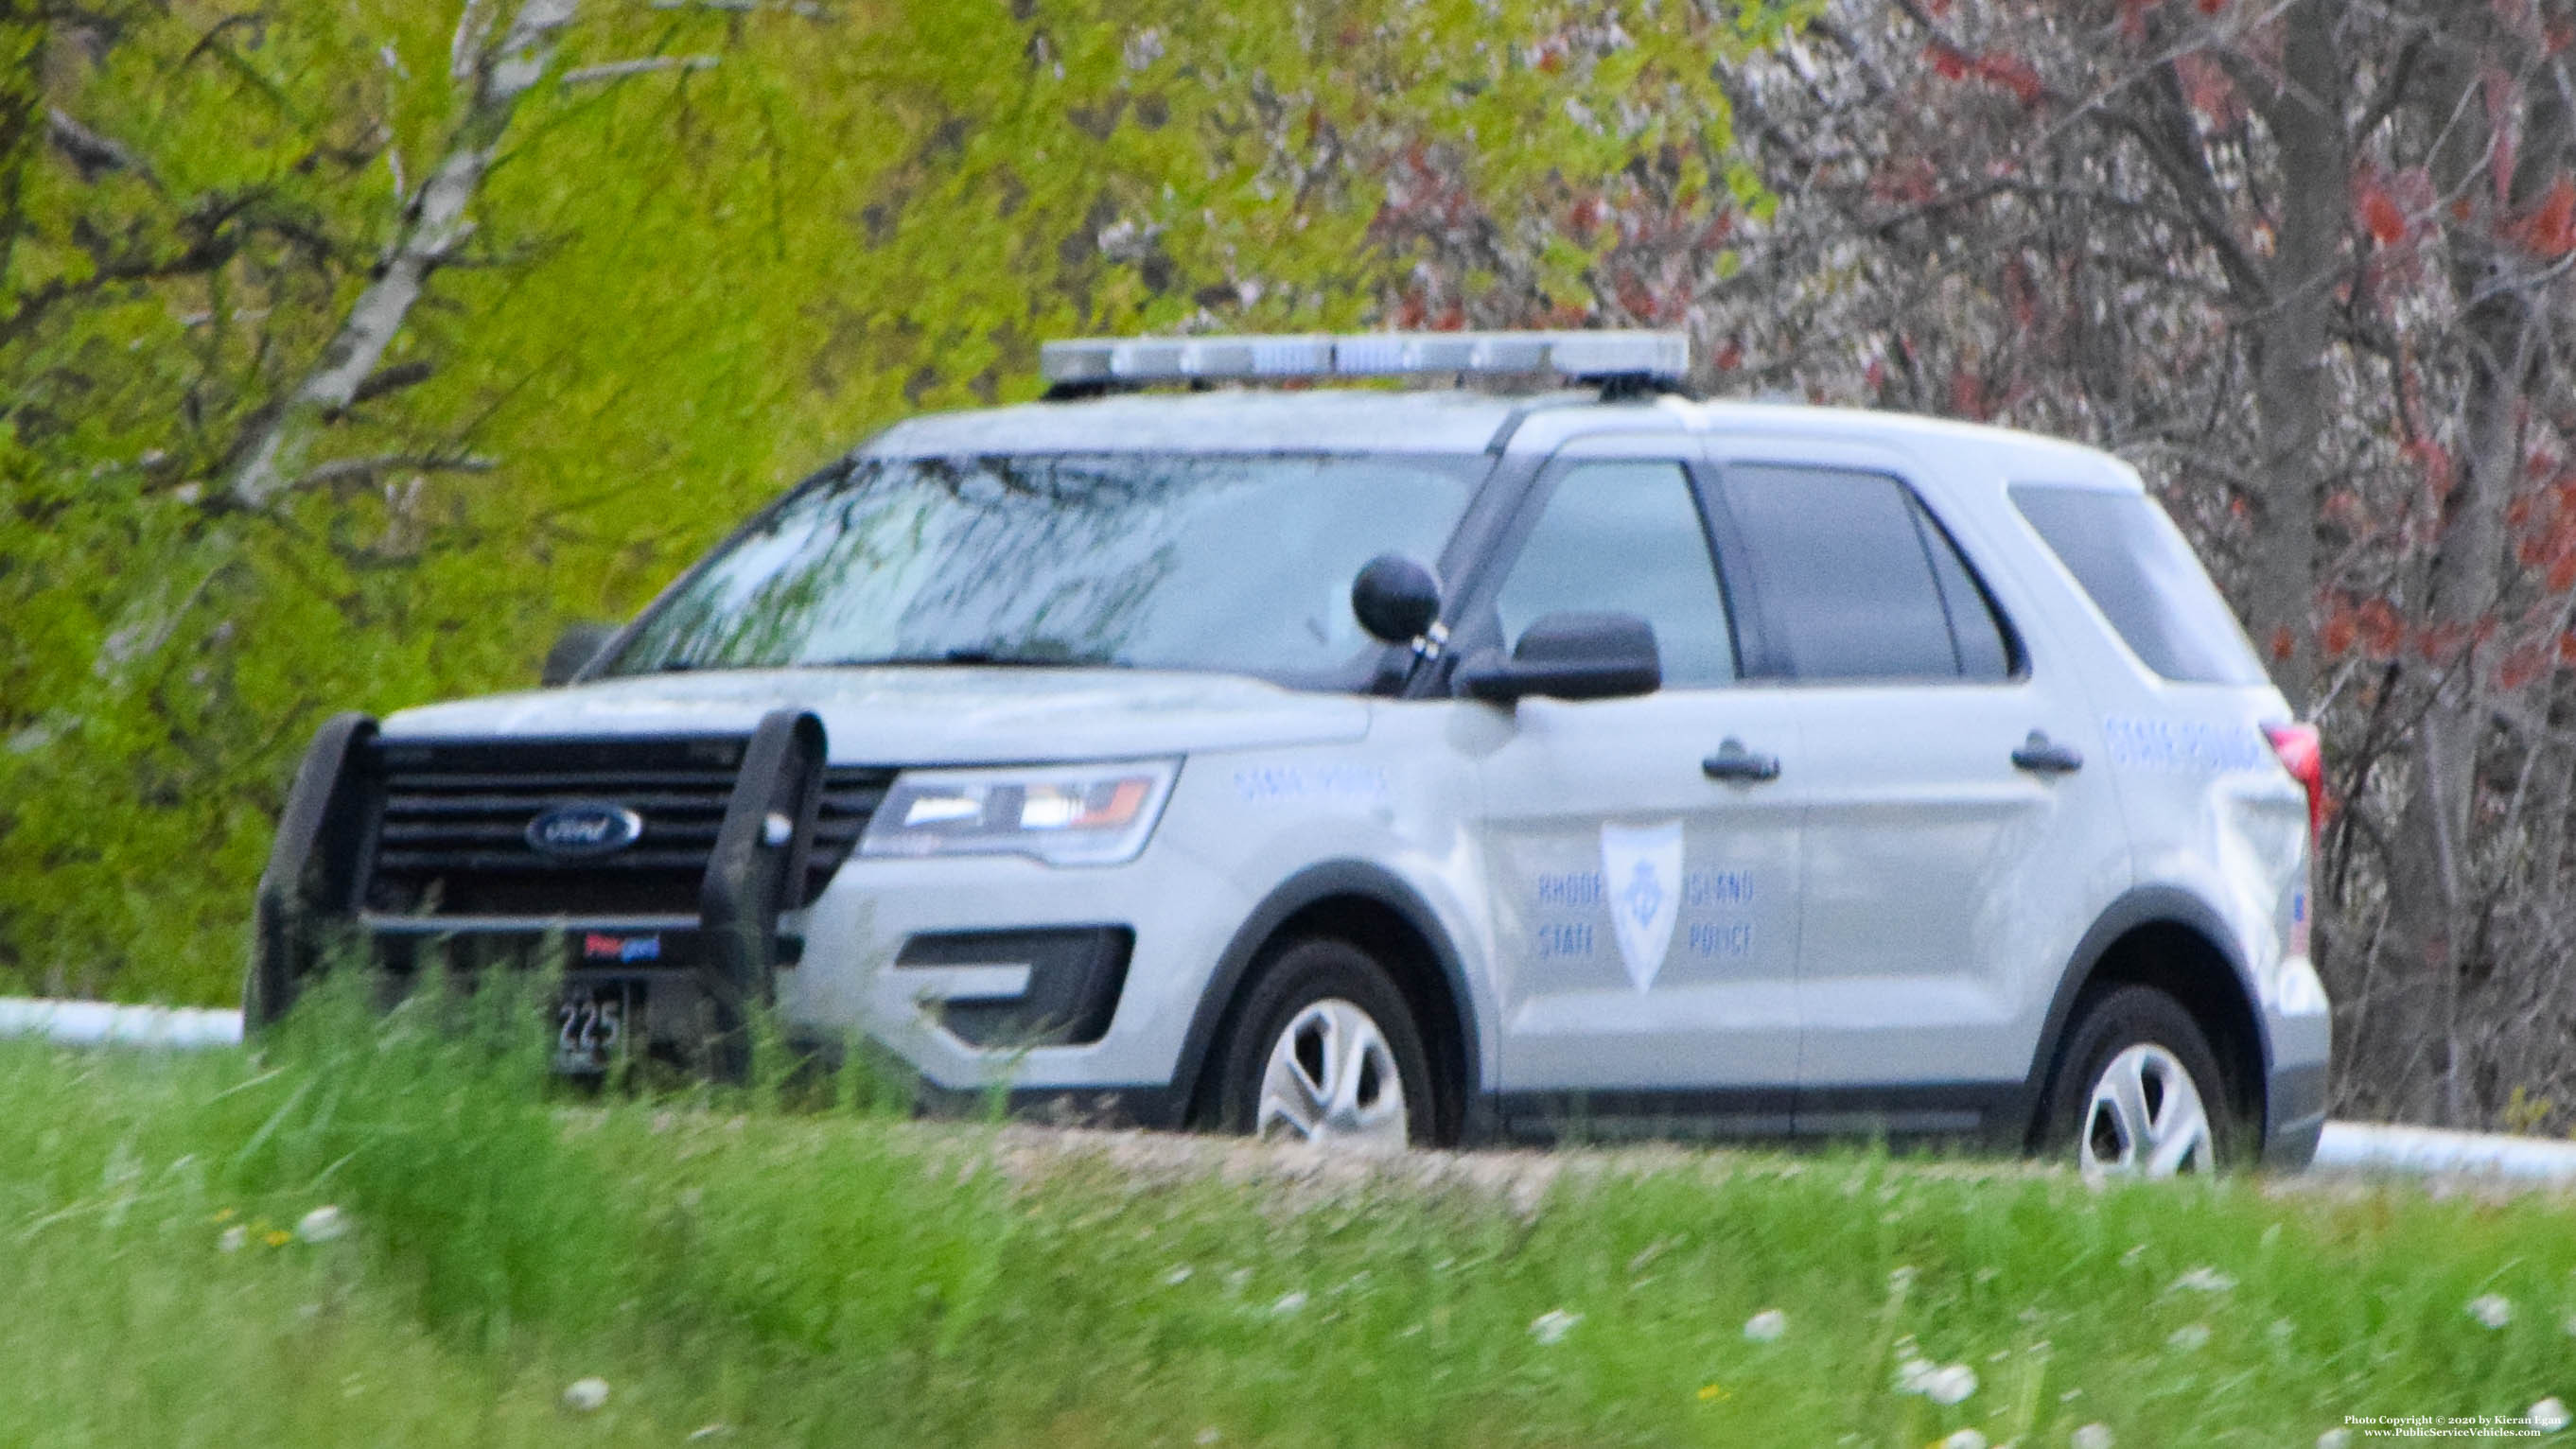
x: 1326, y: 1052
x: 2138, y: 1092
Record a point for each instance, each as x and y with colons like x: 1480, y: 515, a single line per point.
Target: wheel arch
x: 2168, y: 939
x: 1380, y: 914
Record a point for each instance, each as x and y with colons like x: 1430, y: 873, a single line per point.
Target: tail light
x: 2303, y: 754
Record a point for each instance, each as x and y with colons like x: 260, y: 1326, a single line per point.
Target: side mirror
x: 1397, y: 600
x: 578, y: 645
x: 1568, y: 656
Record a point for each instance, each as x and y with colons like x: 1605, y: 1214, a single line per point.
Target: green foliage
x: 832, y: 1278
x: 687, y: 286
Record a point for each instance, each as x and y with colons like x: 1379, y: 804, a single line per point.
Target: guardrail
x: 101, y: 1023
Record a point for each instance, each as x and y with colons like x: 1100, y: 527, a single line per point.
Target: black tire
x: 2108, y: 1027
x: 1312, y: 974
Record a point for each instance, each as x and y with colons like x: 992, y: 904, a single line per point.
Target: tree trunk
x: 2430, y: 870
x: 2306, y: 116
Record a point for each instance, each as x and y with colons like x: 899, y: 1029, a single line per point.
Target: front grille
x: 453, y: 834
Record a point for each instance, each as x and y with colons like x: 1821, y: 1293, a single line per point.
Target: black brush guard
x: 309, y: 910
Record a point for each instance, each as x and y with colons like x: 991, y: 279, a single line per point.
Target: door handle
x: 2041, y: 757
x: 1734, y: 762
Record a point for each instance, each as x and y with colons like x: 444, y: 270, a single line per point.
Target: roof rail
x: 1622, y: 363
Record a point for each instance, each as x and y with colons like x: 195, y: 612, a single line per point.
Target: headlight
x: 1061, y: 814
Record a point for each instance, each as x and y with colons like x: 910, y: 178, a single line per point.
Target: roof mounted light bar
x: 1098, y: 363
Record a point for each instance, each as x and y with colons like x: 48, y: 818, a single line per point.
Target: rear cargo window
x: 2145, y: 579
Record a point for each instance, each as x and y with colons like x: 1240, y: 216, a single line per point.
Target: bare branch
x: 618, y: 69
x: 359, y: 470
x: 94, y: 154
x: 434, y: 225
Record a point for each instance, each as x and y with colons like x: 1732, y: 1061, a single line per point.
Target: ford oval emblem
x: 584, y: 828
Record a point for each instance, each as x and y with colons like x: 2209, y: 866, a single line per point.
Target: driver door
x: 1645, y: 898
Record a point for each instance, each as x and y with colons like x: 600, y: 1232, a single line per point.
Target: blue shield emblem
x: 1641, y: 866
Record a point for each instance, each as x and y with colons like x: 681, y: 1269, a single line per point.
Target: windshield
x: 1160, y: 561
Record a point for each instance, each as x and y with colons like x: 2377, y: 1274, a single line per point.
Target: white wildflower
x: 2335, y: 1439
x: 586, y: 1396
x: 1553, y: 1325
x: 2091, y: 1436
x: 1766, y: 1326
x: 2203, y: 1279
x: 1206, y: 1437
x: 1177, y: 1276
x: 1951, y: 1384
x: 2190, y: 1338
x: 2549, y: 1415
x: 322, y: 1225
x: 1288, y: 1303
x: 2492, y: 1309
x: 1965, y: 1439
x: 233, y: 1239
x: 1913, y: 1373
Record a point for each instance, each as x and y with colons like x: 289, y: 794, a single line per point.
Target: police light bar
x: 1580, y: 356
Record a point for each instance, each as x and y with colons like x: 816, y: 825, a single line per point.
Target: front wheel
x: 2138, y: 1092
x: 1325, y: 1051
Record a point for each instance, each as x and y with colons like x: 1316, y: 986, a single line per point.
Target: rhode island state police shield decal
x: 1641, y: 868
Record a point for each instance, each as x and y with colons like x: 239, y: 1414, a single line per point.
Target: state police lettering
x: 1716, y: 905
x: 1579, y: 888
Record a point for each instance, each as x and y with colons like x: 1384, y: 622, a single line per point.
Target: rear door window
x: 2141, y: 573
x: 1858, y: 582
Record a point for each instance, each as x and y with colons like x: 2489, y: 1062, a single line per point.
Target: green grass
x: 827, y: 1276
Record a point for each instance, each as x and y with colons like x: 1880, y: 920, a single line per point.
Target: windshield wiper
x: 981, y: 658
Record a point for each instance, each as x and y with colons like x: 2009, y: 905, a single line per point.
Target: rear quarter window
x: 2141, y: 573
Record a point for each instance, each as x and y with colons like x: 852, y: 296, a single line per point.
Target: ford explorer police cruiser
x: 1396, y: 765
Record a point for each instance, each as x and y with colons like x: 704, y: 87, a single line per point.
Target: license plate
x: 592, y: 1026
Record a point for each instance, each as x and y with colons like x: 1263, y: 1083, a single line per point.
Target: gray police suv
x: 1384, y: 766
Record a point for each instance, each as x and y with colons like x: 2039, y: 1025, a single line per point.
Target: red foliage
x: 1638, y: 302
x: 2284, y: 644
x: 1968, y: 394
x: 2336, y: 638
x: 2438, y: 643
x: 2206, y: 88
x: 1729, y: 357
x: 2379, y: 212
x: 1950, y: 62
x: 2550, y: 229
x: 2383, y: 632
x: 2013, y: 74
x: 2522, y: 664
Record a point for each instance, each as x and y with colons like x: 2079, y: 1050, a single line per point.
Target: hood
x: 920, y: 716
